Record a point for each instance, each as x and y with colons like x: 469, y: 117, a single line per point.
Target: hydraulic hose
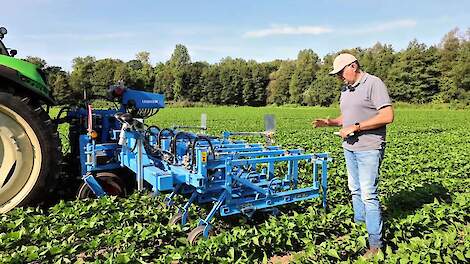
x: 173, y: 143
x: 193, y: 150
x: 160, y: 135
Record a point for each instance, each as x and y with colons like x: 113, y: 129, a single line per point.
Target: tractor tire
x: 30, y: 152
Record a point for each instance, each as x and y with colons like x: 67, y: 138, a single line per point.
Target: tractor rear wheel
x: 30, y: 152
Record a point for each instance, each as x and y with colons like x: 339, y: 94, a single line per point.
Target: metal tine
x: 203, y: 122
x: 270, y: 128
x: 269, y: 123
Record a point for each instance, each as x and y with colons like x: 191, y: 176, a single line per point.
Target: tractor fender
x: 19, y: 81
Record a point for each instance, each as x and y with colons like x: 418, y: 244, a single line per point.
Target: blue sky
x: 60, y: 30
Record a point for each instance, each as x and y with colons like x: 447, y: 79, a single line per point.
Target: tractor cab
x: 3, y: 49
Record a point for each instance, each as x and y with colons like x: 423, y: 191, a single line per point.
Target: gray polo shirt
x: 360, y: 103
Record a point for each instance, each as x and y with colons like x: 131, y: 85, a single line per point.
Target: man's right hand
x: 322, y: 122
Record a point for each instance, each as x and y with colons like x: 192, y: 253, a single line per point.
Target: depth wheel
x: 110, y: 182
x: 195, y: 234
x: 30, y: 152
x: 176, y: 219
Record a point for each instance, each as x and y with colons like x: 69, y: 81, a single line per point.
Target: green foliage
x: 306, y: 66
x: 378, y: 60
x: 415, y: 75
x: 164, y: 81
x: 140, y: 73
x: 180, y: 57
x: 279, y: 81
x: 192, y: 81
x: 82, y: 73
x: 41, y: 63
x: 325, y: 89
x: 231, y: 80
x: 58, y: 82
x: 461, y: 71
x: 211, y: 85
x: 103, y: 76
x: 424, y: 191
x: 254, y: 88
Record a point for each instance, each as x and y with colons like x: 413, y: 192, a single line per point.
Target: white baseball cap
x: 341, y: 61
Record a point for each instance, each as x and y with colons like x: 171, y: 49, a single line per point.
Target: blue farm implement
x: 233, y: 176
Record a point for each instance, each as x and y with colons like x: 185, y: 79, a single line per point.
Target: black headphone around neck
x: 348, y: 87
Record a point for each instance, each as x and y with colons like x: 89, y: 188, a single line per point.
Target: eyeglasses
x: 340, y: 73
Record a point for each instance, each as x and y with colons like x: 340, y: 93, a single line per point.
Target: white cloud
x: 287, y: 30
x: 386, y: 26
x: 318, y: 30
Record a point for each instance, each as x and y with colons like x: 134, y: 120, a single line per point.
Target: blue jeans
x: 363, y: 176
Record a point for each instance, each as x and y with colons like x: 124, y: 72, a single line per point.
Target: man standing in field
x: 366, y: 109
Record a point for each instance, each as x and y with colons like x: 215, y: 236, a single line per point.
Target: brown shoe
x: 371, y: 252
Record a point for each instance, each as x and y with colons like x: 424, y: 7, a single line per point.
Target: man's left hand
x: 347, y: 131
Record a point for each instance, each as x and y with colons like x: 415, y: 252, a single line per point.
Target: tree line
x: 418, y: 74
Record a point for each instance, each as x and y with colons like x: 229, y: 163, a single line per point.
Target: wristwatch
x: 358, y: 127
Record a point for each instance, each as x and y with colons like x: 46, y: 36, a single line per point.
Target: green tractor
x: 30, y: 151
